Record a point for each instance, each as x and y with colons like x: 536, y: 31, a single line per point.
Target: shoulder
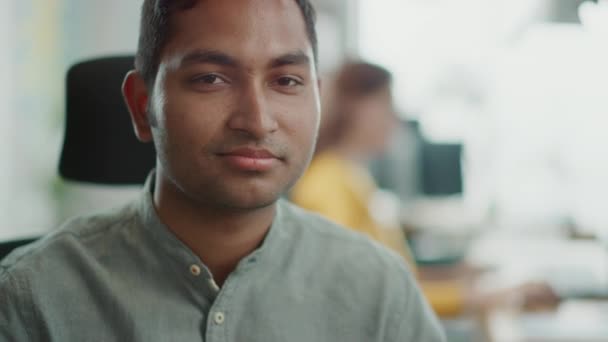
x: 358, y: 272
x: 75, y: 237
x: 342, y: 246
x: 329, y: 182
x: 325, y: 169
x: 329, y: 166
x: 326, y: 160
x: 37, y: 274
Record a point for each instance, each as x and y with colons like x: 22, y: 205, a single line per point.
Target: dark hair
x: 155, y: 30
x: 354, y: 80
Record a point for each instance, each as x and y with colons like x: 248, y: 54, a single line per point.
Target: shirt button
x: 219, y: 318
x: 195, y: 270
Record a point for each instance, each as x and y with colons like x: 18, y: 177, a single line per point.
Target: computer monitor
x: 441, y: 168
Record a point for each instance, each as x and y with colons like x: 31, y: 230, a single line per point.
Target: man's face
x: 235, y: 105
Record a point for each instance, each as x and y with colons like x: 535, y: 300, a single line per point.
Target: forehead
x: 251, y: 30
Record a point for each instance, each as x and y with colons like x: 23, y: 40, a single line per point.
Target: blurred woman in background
x: 354, y: 130
x: 356, y: 127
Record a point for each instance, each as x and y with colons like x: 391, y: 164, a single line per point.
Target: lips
x: 251, y: 153
x: 250, y: 159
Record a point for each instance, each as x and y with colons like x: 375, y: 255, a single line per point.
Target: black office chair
x: 99, y: 145
x: 8, y: 246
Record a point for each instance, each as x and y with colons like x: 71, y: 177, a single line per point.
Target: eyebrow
x: 208, y: 57
x: 293, y: 58
x: 223, y: 59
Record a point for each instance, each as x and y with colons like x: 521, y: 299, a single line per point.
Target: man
x: 228, y: 93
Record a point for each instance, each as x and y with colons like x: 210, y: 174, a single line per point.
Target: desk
x: 574, y: 268
x: 572, y: 321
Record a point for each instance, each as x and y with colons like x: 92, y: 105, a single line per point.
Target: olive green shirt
x: 123, y: 276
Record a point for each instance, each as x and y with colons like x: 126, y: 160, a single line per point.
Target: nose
x: 252, y: 114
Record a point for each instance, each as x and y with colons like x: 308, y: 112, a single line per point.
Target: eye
x: 209, y: 79
x: 287, y: 81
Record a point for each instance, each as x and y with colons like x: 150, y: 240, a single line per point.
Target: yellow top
x: 338, y: 190
x: 341, y: 190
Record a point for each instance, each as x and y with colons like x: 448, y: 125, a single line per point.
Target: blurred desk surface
x: 574, y: 268
x: 577, y: 270
x: 572, y: 321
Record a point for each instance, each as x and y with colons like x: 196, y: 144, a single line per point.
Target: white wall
x: 41, y: 39
x: 101, y: 27
x: 30, y: 57
x: 6, y: 117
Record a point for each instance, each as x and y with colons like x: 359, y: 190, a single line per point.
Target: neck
x: 220, y: 237
x: 349, y: 151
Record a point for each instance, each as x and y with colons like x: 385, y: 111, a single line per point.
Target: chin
x: 241, y: 199
x: 252, y: 195
x: 251, y: 203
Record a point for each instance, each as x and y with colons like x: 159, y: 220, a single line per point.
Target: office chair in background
x: 99, y: 147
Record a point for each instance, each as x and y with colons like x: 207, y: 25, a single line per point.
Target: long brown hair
x: 353, y: 81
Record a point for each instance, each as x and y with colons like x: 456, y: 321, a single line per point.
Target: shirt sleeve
x: 417, y: 321
x: 16, y: 321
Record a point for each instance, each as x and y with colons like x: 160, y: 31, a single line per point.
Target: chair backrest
x: 8, y: 246
x: 100, y: 146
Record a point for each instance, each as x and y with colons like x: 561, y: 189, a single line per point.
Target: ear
x: 135, y: 94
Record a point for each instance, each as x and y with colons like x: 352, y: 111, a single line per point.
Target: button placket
x: 213, y: 285
x: 218, y: 316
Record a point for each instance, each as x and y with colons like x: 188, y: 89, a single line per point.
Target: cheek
x: 383, y: 130
x: 191, y: 119
x: 300, y: 121
x: 304, y: 125
x: 385, y: 125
